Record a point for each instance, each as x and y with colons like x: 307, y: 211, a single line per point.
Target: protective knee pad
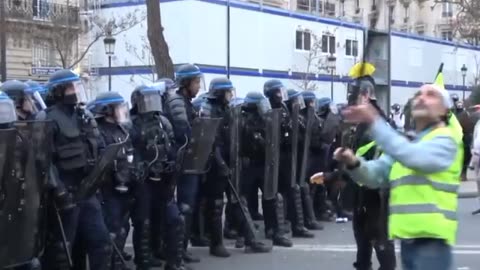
x: 185, y: 209
x: 56, y: 256
x: 279, y: 224
x: 141, y: 243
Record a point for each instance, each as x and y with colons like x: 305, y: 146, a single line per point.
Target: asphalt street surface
x: 334, y: 249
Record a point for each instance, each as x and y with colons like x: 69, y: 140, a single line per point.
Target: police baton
x: 64, y: 237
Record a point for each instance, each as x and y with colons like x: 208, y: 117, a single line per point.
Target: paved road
x: 334, y: 249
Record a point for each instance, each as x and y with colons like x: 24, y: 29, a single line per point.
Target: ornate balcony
x: 37, y: 11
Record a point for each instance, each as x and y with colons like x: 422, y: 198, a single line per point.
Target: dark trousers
x: 85, y: 222
x: 370, y: 230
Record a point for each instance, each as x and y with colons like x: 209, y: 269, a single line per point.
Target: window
x: 447, y: 9
x: 391, y: 14
x: 447, y: 35
x: 42, y: 53
x: 303, y: 5
x: 351, y: 47
x: 328, y: 44
x: 421, y: 32
x: 303, y: 40
x: 329, y: 8
x: 41, y: 9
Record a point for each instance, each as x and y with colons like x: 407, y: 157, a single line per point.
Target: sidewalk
x: 468, y: 189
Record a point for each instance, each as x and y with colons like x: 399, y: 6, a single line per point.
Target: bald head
x: 431, y: 103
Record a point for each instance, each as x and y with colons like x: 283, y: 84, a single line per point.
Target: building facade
x: 43, y: 36
x: 270, y: 40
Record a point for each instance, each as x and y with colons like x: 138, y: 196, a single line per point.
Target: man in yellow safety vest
x: 423, y: 175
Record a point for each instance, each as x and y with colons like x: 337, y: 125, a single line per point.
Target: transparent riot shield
x: 90, y: 184
x: 235, y: 160
x: 272, y: 153
x: 294, y: 144
x: 24, y: 214
x: 305, y: 147
x: 204, y: 131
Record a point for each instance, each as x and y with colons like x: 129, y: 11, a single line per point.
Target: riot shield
x: 90, y: 184
x: 331, y: 126
x: 204, y: 131
x: 305, y: 148
x: 272, y: 153
x: 294, y: 136
x: 23, y: 216
x: 235, y: 161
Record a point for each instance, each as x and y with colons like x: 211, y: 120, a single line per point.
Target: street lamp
x: 331, y: 66
x: 464, y: 73
x: 109, y: 42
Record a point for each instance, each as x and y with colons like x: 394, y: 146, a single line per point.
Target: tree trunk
x: 158, y: 44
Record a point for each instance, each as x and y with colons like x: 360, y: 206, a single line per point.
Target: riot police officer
x: 255, y: 130
x: 153, y: 141
x: 216, y: 105
x: 370, y: 205
x: 77, y: 144
x: 180, y: 112
x: 275, y: 91
x: 28, y: 101
x: 111, y: 113
x: 305, y: 145
x: 25, y: 152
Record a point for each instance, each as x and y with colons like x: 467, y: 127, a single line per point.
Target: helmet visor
x: 150, y: 101
x: 80, y: 92
x: 7, y: 112
x: 298, y: 100
x: 264, y: 106
x: 121, y: 113
x: 283, y: 93
x: 39, y: 103
x: 229, y: 94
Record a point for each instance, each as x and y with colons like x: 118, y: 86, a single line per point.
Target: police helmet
x: 323, y: 105
x: 7, y: 109
x: 257, y: 101
x: 59, y: 83
x: 295, y: 97
x: 309, y: 98
x: 186, y: 73
x: 363, y: 86
x: 454, y: 98
x: 110, y: 104
x: 147, y: 99
x: 396, y: 107
x: 272, y: 88
x: 24, y: 97
x: 169, y: 83
x: 219, y: 89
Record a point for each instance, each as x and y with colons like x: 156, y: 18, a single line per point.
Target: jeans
x: 426, y: 254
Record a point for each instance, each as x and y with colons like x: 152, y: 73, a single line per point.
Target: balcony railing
x: 42, y: 10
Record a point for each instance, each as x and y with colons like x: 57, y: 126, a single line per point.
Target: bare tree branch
x: 158, y: 44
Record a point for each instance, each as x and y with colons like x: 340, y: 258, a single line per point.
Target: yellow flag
x: 361, y: 69
x: 439, y: 79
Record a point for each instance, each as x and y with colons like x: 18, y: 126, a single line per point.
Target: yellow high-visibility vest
x: 424, y: 205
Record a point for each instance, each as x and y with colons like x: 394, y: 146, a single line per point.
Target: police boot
x: 141, y: 245
x: 217, y: 248
x: 117, y: 262
x: 275, y: 211
x: 174, y: 244
x: 309, y: 214
x: 188, y: 257
x: 296, y: 211
x: 386, y: 255
x: 198, y: 238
